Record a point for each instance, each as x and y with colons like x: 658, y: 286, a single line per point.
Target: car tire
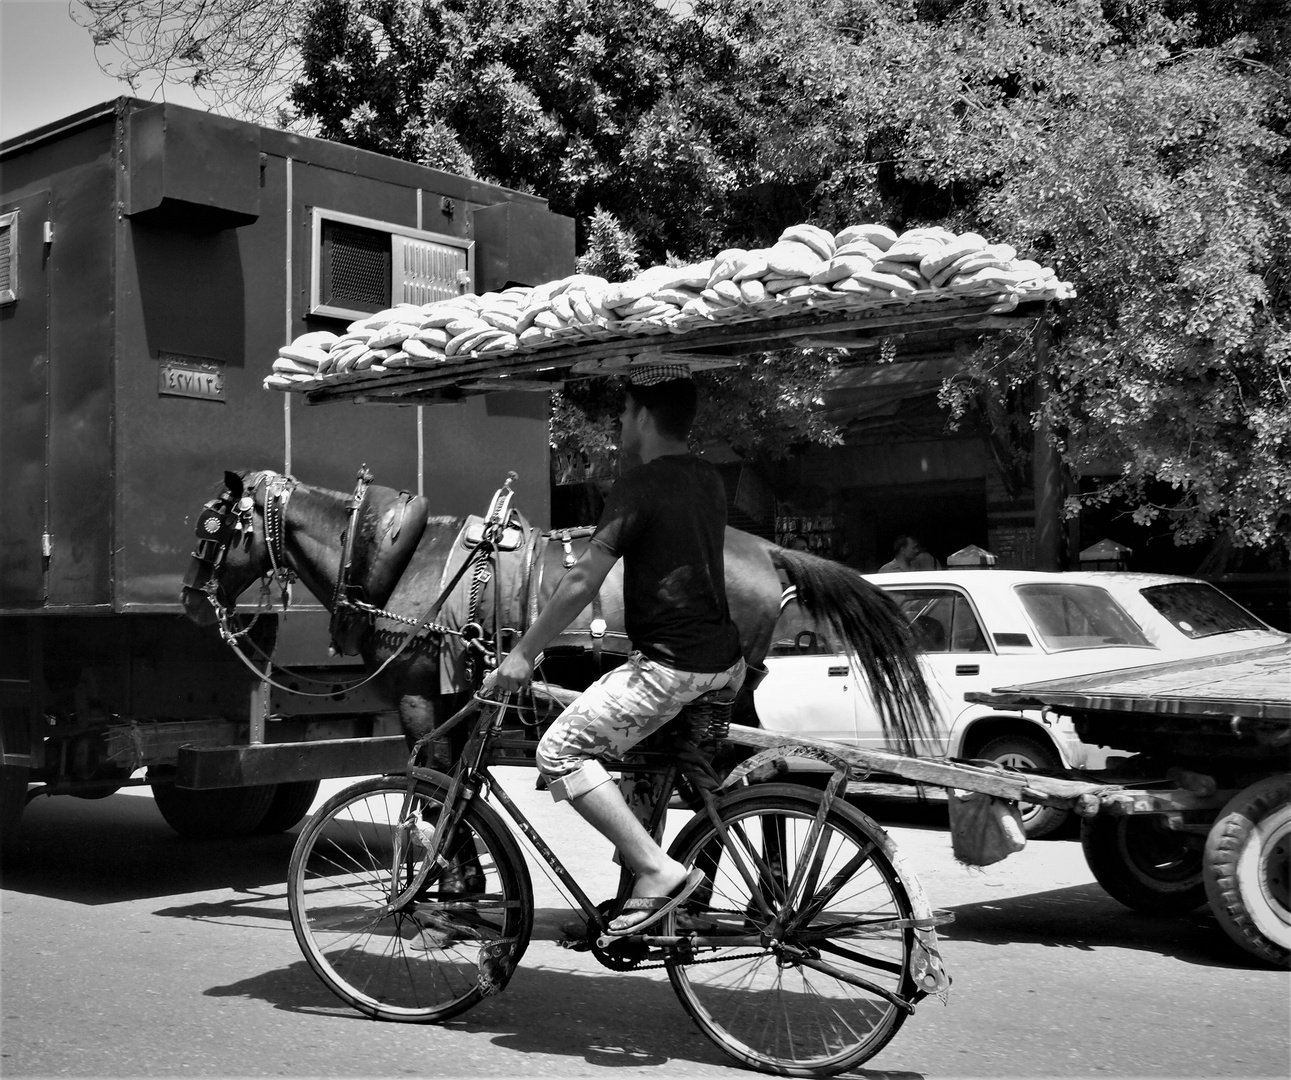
x: 1144, y: 865
x: 1020, y: 752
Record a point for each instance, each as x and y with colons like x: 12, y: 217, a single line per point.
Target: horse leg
x: 419, y: 715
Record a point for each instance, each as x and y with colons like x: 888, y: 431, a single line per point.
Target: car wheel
x: 1020, y: 752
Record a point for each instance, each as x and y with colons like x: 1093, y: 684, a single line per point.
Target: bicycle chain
x: 723, y: 959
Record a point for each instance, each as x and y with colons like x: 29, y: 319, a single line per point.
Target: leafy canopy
x: 1139, y: 146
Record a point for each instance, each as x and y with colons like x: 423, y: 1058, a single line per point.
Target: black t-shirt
x: 667, y: 521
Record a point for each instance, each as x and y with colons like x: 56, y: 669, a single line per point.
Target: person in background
x: 905, y: 549
x: 925, y: 560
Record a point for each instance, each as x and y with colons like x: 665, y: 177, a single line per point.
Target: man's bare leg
x: 605, y: 810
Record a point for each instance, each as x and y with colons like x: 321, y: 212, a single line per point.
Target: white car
x: 983, y: 629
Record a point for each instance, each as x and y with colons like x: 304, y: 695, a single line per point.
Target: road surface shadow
x: 620, y: 1020
x: 1084, y: 917
x: 104, y: 851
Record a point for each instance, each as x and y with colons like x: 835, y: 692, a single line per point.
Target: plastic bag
x: 983, y: 828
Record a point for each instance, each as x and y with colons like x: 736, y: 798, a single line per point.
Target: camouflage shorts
x: 614, y: 714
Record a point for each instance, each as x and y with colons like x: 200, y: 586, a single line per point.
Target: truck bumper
x: 277, y: 763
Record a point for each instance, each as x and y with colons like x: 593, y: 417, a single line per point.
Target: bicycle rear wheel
x: 419, y: 964
x: 788, y: 994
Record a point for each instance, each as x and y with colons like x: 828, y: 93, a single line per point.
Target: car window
x: 942, y: 620
x: 1078, y: 616
x: 1200, y: 610
x: 797, y: 634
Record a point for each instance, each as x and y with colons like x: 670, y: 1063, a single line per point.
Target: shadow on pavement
x: 105, y: 851
x: 1084, y: 917
x: 613, y: 1020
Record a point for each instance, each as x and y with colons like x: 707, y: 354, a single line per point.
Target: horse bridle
x: 228, y: 522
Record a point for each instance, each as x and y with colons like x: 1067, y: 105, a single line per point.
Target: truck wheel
x: 216, y: 814
x: 1020, y: 752
x: 13, y: 800
x: 290, y: 804
x: 1247, y: 869
x: 1144, y: 865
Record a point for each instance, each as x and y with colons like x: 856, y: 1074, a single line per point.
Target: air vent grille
x: 358, y: 266
x: 361, y: 265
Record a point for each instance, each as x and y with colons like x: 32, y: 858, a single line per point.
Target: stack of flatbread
x: 860, y: 266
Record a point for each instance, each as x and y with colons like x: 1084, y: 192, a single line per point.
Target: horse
x: 266, y: 526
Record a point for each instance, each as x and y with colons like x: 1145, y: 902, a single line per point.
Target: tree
x: 1139, y: 146
x: 241, y: 56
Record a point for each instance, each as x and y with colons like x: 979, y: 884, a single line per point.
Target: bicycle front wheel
x: 795, y: 992
x: 418, y: 963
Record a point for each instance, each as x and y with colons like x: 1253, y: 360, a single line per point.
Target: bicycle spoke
x: 417, y: 961
x: 827, y: 990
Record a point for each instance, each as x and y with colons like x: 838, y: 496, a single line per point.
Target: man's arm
x: 575, y: 592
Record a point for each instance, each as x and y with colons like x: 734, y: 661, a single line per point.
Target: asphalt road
x: 126, y: 951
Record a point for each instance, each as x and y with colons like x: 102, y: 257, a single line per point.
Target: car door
x: 956, y: 655
x: 810, y: 688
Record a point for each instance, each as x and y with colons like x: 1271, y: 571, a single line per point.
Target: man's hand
x: 511, y: 675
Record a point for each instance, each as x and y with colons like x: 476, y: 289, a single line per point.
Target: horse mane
x: 876, y: 636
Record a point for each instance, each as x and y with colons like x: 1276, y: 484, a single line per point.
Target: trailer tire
x: 291, y: 802
x: 216, y: 814
x: 1144, y: 865
x: 1247, y: 868
x: 1020, y: 752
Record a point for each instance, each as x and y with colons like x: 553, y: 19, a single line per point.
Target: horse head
x: 232, y: 550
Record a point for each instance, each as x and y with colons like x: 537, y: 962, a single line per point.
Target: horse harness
x: 227, y: 523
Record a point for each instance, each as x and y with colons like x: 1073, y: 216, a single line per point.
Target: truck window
x: 1078, y: 617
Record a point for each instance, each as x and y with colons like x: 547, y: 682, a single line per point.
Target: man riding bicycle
x: 666, y: 518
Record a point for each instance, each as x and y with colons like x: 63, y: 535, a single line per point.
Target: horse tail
x: 876, y: 636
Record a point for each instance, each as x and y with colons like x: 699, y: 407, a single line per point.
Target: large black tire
x: 13, y: 800
x: 1247, y: 869
x: 1144, y: 865
x: 1021, y: 752
x: 791, y: 1004
x: 421, y: 963
x: 215, y: 814
x: 291, y: 802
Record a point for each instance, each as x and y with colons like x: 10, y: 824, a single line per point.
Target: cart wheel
x: 1144, y: 865
x: 1018, y: 752
x: 1248, y: 869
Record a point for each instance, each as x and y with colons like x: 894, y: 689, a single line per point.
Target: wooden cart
x: 1201, y: 813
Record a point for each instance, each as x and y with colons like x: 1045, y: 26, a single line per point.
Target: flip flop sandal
x: 657, y: 906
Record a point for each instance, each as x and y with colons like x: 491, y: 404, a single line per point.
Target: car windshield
x: 1200, y: 610
x: 1078, y: 617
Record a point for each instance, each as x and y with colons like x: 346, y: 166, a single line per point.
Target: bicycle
x: 802, y: 955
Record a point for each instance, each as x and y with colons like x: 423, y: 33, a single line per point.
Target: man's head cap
x: 653, y: 374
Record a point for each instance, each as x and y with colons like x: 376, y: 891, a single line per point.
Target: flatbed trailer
x: 1200, y: 814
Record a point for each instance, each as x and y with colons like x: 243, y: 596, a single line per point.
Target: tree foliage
x: 1139, y: 146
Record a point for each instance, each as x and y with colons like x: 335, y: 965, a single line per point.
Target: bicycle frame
x: 472, y: 773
